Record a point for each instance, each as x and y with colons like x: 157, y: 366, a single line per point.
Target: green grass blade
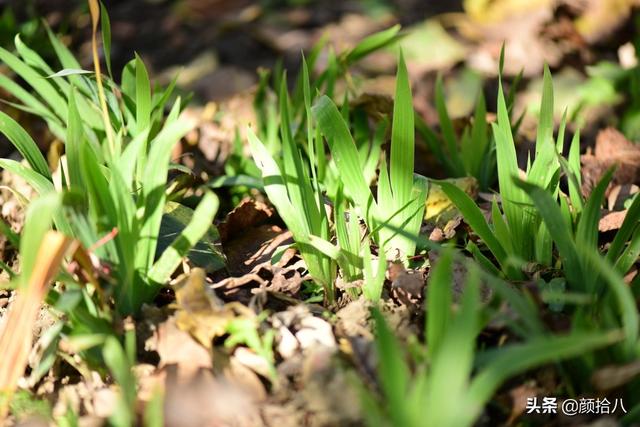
x: 552, y: 216
x: 275, y: 187
x: 33, y: 60
x: 509, y: 361
x: 446, y: 126
x: 345, y: 154
x: 298, y: 183
x: 474, y: 217
x: 512, y: 196
x: 402, y: 139
x: 12, y: 236
x: 385, y: 195
x: 373, y: 280
x: 67, y: 60
x: 372, y: 43
x: 38, y: 221
x: 630, y: 223
x: 105, y: 26
x: 57, y: 103
x: 392, y: 369
x: 439, y: 301
x: 153, y: 183
x: 574, y: 175
x: 544, y: 135
x: 545, y: 164
x: 131, y: 156
x: 623, y: 294
x: 143, y: 96
x: 73, y: 145
x: 39, y: 183
x: 116, y: 360
x: 30, y: 101
x: 98, y: 189
x: 24, y: 144
x: 452, y: 365
x: 347, y: 234
x: 479, y: 139
x: 561, y: 132
x: 587, y: 231
x: 630, y: 255
x: 521, y: 304
x: 500, y: 227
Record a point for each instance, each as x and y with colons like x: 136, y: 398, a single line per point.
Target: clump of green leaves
x: 118, y: 146
x: 453, y: 379
x: 400, y: 197
x: 534, y: 213
x: 537, y: 223
x: 110, y: 194
x: 303, y: 178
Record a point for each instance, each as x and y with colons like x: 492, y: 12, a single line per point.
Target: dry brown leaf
x: 612, y: 221
x: 17, y: 324
x: 245, y: 378
x: 519, y: 396
x: 254, y: 248
x: 353, y: 319
x: 328, y: 394
x: 201, y: 313
x: 407, y: 286
x: 177, y: 347
x: 249, y: 213
x: 208, y: 401
x: 612, y: 148
x: 614, y: 376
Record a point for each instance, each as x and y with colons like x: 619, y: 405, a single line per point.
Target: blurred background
x: 219, y: 45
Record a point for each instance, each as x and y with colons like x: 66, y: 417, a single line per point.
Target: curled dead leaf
x: 611, y: 149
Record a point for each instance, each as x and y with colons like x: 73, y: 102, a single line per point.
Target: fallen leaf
x: 208, y: 401
x: 255, y: 248
x: 407, y: 286
x: 328, y: 394
x: 611, y: 149
x: 613, y: 376
x: 353, y: 319
x: 176, y: 347
x: 253, y: 361
x: 245, y: 378
x: 519, y: 396
x: 248, y: 214
x: 201, y: 313
x: 612, y: 221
